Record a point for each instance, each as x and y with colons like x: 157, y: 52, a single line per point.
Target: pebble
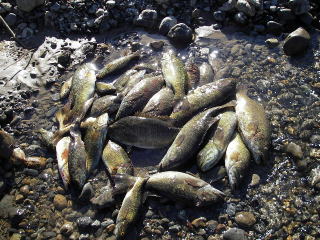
x: 255, y: 180
x: 235, y: 234
x: 87, y: 192
x: 219, y: 16
x: 11, y: 19
x: 107, y: 222
x: 60, y: 202
x: 199, y: 222
x: 245, y: 7
x: 84, y: 236
x: 174, y: 228
x: 66, y: 229
x: 157, y: 45
x: 84, y: 222
x: 16, y: 236
x: 166, y: 24
x: 299, y: 6
x: 294, y: 149
x: 96, y: 224
x: 180, y: 33
x: 245, y: 219
x: 274, y: 27
x: 296, y: 42
x: 272, y: 42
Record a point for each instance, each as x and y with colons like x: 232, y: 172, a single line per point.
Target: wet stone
x: 274, y: 27
x: 199, y: 222
x: 147, y: 18
x: 11, y: 19
x: 235, y: 234
x: 175, y: 228
x: 219, y: 16
x: 255, y: 180
x: 84, y: 222
x: 66, y: 229
x: 48, y: 235
x: 166, y: 24
x: 299, y: 6
x: 84, y: 236
x: 272, y: 42
x: 60, y: 202
x: 16, y: 215
x: 296, y: 42
x: 157, y: 45
x: 240, y: 18
x: 212, y: 225
x: 246, y: 219
x: 31, y: 172
x: 180, y: 33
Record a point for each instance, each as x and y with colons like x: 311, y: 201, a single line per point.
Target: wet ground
x: 279, y: 194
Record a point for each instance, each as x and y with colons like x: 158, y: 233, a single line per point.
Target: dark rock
x: 6, y: 145
x: 286, y: 15
x: 84, y: 223
x: 241, y: 18
x: 147, y: 18
x: 245, y: 7
x: 31, y: 172
x: 272, y: 42
x: 66, y: 229
x: 11, y: 19
x: 157, y: 45
x: 299, y: 6
x: 306, y: 18
x: 166, y: 24
x: 274, y: 27
x: 296, y: 42
x: 180, y: 33
x: 16, y: 215
x: 235, y: 234
x: 259, y: 28
x: 29, y: 5
x: 219, y: 16
x: 175, y: 228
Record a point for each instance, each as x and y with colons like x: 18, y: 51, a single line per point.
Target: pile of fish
x: 180, y: 107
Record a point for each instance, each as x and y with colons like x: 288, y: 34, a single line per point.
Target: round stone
x: 246, y: 219
x: 296, y: 42
x: 180, y: 33
x: 60, y: 202
x: 235, y: 234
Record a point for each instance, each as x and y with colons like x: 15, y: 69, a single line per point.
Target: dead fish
x: 236, y: 161
x: 132, y: 82
x: 62, y: 150
x: 116, y: 159
x: 148, y: 67
x: 121, y: 82
x: 206, y: 74
x: 184, y: 188
x: 46, y: 138
x: 208, y: 95
x: 66, y: 88
x: 105, y: 88
x: 94, y: 141
x: 161, y: 103
x: 106, y: 104
x: 130, y: 209
x: 77, y: 159
x: 142, y: 132
x: 80, y: 97
x: 213, y: 151
x: 174, y: 73
x: 139, y: 95
x: 193, y: 74
x: 188, y: 140
x: 107, y: 195
x: 253, y: 125
x: 117, y: 64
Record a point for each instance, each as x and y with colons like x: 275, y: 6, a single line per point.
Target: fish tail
x: 234, y: 178
x: 61, y: 116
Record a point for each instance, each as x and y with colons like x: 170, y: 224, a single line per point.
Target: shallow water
x: 284, y: 203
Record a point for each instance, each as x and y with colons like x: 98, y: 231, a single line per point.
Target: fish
x: 46, y: 137
x: 105, y: 88
x: 193, y: 74
x: 253, y: 126
x: 139, y: 95
x: 62, y: 151
x: 121, y: 82
x: 188, y: 141
x: 161, y: 103
x: 213, y: 151
x: 142, y: 132
x: 184, y: 188
x: 237, y: 160
x: 130, y: 209
x: 133, y: 81
x: 174, y: 73
x: 77, y: 159
x: 80, y: 97
x: 116, y: 159
x: 206, y: 74
x: 117, y: 64
x: 94, y: 140
x: 208, y: 95
x: 106, y: 104
x: 107, y: 196
x: 66, y: 88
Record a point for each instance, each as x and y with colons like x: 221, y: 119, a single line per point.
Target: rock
x: 212, y: 225
x: 157, y: 45
x: 245, y: 7
x: 199, y: 222
x: 296, y: 42
x: 235, y: 234
x: 228, y: 5
x: 48, y: 235
x: 272, y: 42
x: 241, y: 18
x: 34, y: 162
x: 16, y: 215
x: 16, y: 236
x: 27, y: 32
x: 175, y: 228
x: 255, y: 180
x: 96, y: 224
x: 60, y: 202
x: 84, y: 236
x: 256, y: 3
x: 84, y: 222
x: 107, y: 222
x: 166, y: 24
x: 245, y: 219
x: 219, y: 16
x: 315, y: 176
x: 6, y: 145
x: 66, y: 229
x: 87, y: 193
x: 294, y: 149
x: 147, y: 18
x: 274, y: 27
x: 299, y: 6
x: 286, y: 15
x: 11, y: 19
x: 180, y: 33
x: 29, y: 5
